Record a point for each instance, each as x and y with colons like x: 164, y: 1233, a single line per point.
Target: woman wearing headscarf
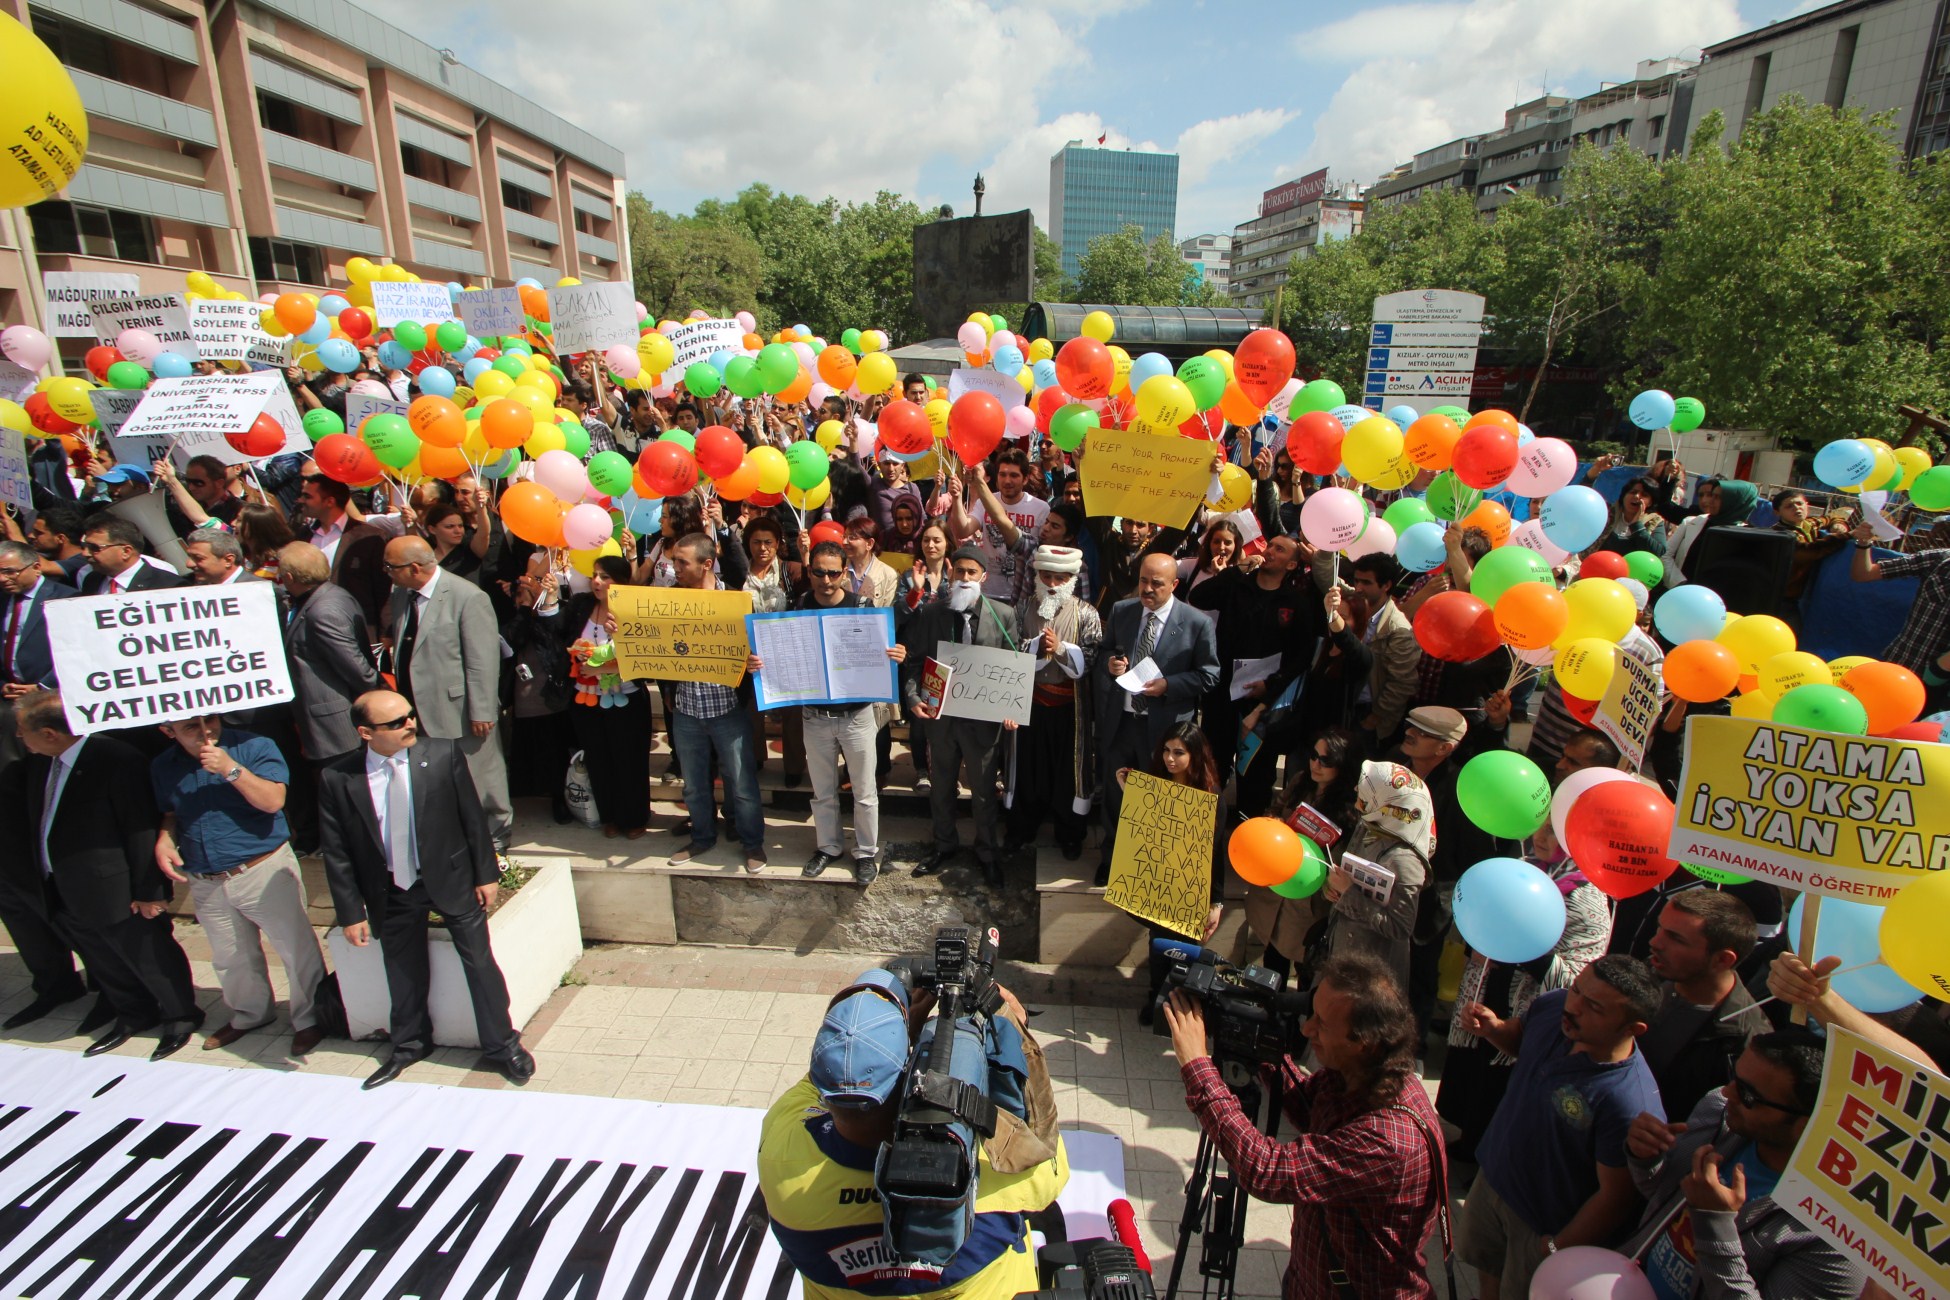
x: 1396, y: 832
x: 1724, y: 503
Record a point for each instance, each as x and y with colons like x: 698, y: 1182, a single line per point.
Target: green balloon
x: 741, y: 377
x: 1502, y: 569
x: 610, y: 473
x: 127, y: 375
x: 1930, y: 491
x: 806, y: 464
x: 451, y: 336
x: 1072, y: 424
x: 1504, y: 793
x: 1715, y: 875
x: 1305, y: 882
x: 575, y: 438
x: 410, y: 335
x: 1000, y: 322
x: 1646, y: 567
x: 1207, y: 380
x: 1458, y: 414
x: 682, y: 437
x: 511, y: 366
x: 701, y: 379
x: 1406, y: 513
x: 778, y: 366
x: 1450, y: 498
x: 1320, y: 395
x: 392, y: 440
x: 850, y: 340
x: 1688, y: 413
x: 517, y: 346
x: 1820, y: 707
x: 320, y: 423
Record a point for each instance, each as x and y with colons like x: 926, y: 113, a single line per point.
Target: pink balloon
x: 807, y: 357
x: 664, y: 390
x: 746, y: 321
x: 624, y: 362
x: 26, y: 347
x: 139, y: 346
x: 1576, y: 784
x: 1537, y: 658
x: 1332, y: 517
x: 1000, y: 339
x: 1530, y: 535
x: 1022, y: 421
x: 587, y: 526
x: 1379, y: 536
x: 561, y: 473
x: 642, y: 312
x: 1590, y: 1273
x: 972, y: 337
x: 373, y: 388
x: 819, y: 392
x: 1543, y: 466
x: 268, y: 299
x: 1283, y: 400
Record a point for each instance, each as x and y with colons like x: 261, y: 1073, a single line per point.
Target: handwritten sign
x: 148, y: 657
x: 697, y: 340
x: 989, y: 685
x: 162, y: 315
x: 17, y: 383
x: 1630, y: 707
x: 591, y: 317
x: 191, y: 415
x: 1161, y: 871
x: 492, y: 313
x: 70, y: 292
x: 360, y: 407
x: 1869, y: 1174
x: 1158, y: 478
x: 1844, y: 816
x: 671, y: 634
x: 16, y: 485
x: 420, y: 301
x: 1003, y: 388
x: 226, y: 330
x: 113, y: 407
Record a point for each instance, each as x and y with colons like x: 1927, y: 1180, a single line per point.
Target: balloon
x: 586, y: 526
x: 1652, y: 409
x: 532, y: 513
x: 1100, y: 326
x: 1911, y: 934
x: 828, y: 530
x: 1574, y: 517
x: 1700, y: 672
x: 806, y: 465
x: 343, y: 457
x: 138, y: 345
x: 1544, y: 466
x: 1531, y: 615
x: 24, y: 345
x: 719, y: 451
x: 1617, y: 832
x: 1421, y: 548
x: 1430, y: 441
x: 1332, y: 517
x: 391, y: 438
x: 1853, y: 931
x: 610, y: 473
x: 437, y: 421
x: 1931, y: 489
x: 1505, y: 567
x: 1449, y: 499
x: 265, y: 437
x: 1164, y: 402
x: 1590, y: 1273
x: 837, y: 366
x: 1406, y: 512
x: 1508, y: 910
x: 1319, y: 395
x: 1492, y: 518
x: 1314, y: 442
x: 42, y: 118
x: 1084, y: 368
x: 876, y: 374
x: 1456, y: 627
x: 321, y: 423
x: 1305, y: 882
x: 774, y: 471
x: 1235, y: 489
x: 1504, y: 794
x: 1600, y: 609
x: 129, y: 376
x: 1572, y: 787
x: 701, y: 379
x: 688, y: 441
x: 1204, y: 377
x: 670, y: 471
x: 1844, y: 463
x: 1485, y: 456
x: 1262, y: 364
x: 1781, y: 673
x: 1689, y: 613
x: 904, y: 427
x: 1264, y: 850
x: 1891, y: 695
x: 1822, y: 707
x: 1376, y: 539
x: 1584, y: 667
x: 1370, y: 446
x: 976, y: 423
x: 506, y: 423
x: 1754, y: 639
x: 1688, y: 414
x: 742, y: 378
x: 1071, y: 425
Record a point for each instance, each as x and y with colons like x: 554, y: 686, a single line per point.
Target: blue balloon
x: 503, y: 467
x: 171, y: 365
x: 1844, y: 463
x: 530, y: 281
x: 1402, y: 415
x: 469, y: 348
x: 1349, y: 416
x: 1043, y: 373
x: 1849, y: 930
x: 474, y: 369
x: 331, y: 305
x: 1146, y: 366
x: 640, y: 516
x: 1574, y: 517
x: 338, y: 356
x: 1508, y: 910
x: 1689, y: 613
x: 438, y: 381
x: 455, y: 289
x: 904, y: 455
x: 722, y: 358
x: 1007, y: 360
x: 1421, y: 548
x: 1653, y: 409
x: 320, y: 330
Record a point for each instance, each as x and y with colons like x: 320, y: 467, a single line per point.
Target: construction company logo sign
x: 866, y: 1261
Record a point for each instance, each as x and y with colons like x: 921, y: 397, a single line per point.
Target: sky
x: 848, y: 97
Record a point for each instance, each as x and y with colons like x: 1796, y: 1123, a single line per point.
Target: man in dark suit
x: 1180, y: 642
x: 403, y: 834
x: 330, y: 648
x: 92, y: 835
x: 356, y: 551
x: 113, y: 546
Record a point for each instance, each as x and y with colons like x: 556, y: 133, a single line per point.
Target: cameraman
x: 1367, y: 1177
x: 819, y: 1142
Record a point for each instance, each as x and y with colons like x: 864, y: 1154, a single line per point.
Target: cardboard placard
x: 423, y: 302
x: 592, y: 317
x: 16, y: 485
x: 1158, y: 478
x: 696, y: 340
x: 1003, y: 388
x: 227, y: 330
x: 1161, y: 869
x: 677, y: 635
x: 163, y: 315
x: 113, y: 407
x: 492, y: 313
x: 1630, y: 707
x: 989, y: 684
x: 360, y: 407
x: 70, y: 292
x: 191, y: 415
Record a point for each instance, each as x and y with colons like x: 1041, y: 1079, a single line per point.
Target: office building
x: 1450, y: 166
x: 1207, y: 256
x: 1095, y: 191
x: 1293, y: 219
x: 267, y: 142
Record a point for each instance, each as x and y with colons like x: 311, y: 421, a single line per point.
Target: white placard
x: 163, y: 315
x: 359, y: 407
x: 989, y: 685
x: 147, y: 657
x: 194, y: 413
x: 492, y: 313
x: 16, y: 382
x: 225, y: 330
x: 16, y: 486
x: 697, y: 340
x: 70, y: 292
x: 591, y: 317
x: 421, y: 301
x: 1003, y: 388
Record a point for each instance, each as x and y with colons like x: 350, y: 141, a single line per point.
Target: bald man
x: 447, y: 661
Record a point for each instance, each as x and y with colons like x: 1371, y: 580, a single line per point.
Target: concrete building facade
x: 1095, y: 191
x: 1209, y: 257
x: 1294, y: 218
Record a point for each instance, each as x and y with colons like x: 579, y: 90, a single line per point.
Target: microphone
x: 1181, y: 950
x: 1123, y: 1226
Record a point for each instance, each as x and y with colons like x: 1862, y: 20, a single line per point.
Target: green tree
x: 1123, y: 270
x: 681, y: 263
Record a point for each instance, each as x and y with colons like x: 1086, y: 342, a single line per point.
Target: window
x: 513, y: 196
x: 1657, y: 126
x: 274, y: 114
x: 586, y: 223
x: 280, y: 259
x: 417, y: 162
x: 93, y: 232
x: 76, y: 46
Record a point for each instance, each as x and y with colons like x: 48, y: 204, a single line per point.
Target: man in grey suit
x: 330, y: 649
x: 1180, y: 641
x: 447, y: 662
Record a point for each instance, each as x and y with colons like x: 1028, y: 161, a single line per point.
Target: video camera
x: 1097, y: 1269
x: 1249, y: 1018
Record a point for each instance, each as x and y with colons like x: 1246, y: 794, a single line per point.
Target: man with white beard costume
x: 1053, y: 772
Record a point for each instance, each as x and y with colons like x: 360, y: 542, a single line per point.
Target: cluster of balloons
x: 1266, y: 851
x: 1871, y: 465
x: 794, y: 365
x: 1657, y: 409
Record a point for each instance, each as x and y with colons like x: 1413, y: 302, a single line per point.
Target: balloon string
x: 1846, y: 970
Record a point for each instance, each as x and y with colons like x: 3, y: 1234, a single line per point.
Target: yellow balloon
x: 874, y: 341
x: 1912, y: 461
x: 937, y: 413
x: 14, y: 416
x: 1584, y: 667
x: 829, y: 433
x: 493, y: 384
x: 41, y: 118
x: 584, y: 562
x: 1913, y: 924
x: 1754, y: 704
x: 200, y: 282
x: 876, y: 374
x: 773, y: 471
x: 566, y: 281
x: 1235, y: 490
x: 812, y: 499
x: 68, y: 397
x: 1886, y: 467
x: 1370, y: 447
x: 1756, y: 638
x: 546, y: 437
x: 655, y: 352
x: 1839, y: 668
x: 1783, y: 672
x: 1099, y: 325
x: 1120, y: 360
x: 1601, y: 610
x: 1224, y: 358
x: 1041, y: 350
x: 268, y: 321
x: 540, y: 405
x: 475, y: 446
x: 1027, y: 379
x: 1165, y: 402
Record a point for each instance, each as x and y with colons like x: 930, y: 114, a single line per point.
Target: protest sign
x: 1841, y: 816
x: 591, y: 317
x: 148, y: 657
x: 1870, y: 1174
x: 162, y: 315
x: 989, y: 684
x: 360, y: 407
x: 423, y: 302
x: 113, y: 407
x: 1003, y: 388
x: 697, y: 340
x: 1161, y: 870
x: 1158, y: 478
x: 69, y: 293
x: 674, y: 634
x: 823, y: 656
x: 492, y: 313
x: 191, y: 415
x: 17, y: 383
x: 16, y: 486
x: 262, y: 352
x: 1630, y: 707
x: 225, y: 330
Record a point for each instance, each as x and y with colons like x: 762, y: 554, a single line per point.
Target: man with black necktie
x: 403, y: 834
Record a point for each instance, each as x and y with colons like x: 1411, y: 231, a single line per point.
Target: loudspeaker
x: 1749, y: 567
x: 148, y: 513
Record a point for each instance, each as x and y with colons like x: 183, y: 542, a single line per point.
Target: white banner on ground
x: 193, y: 414
x: 70, y: 292
x: 420, y: 301
x: 591, y: 317
x: 163, y: 315
x: 16, y: 486
x: 1003, y: 388
x: 697, y: 340
x: 177, y: 1179
x: 152, y: 656
x: 492, y: 313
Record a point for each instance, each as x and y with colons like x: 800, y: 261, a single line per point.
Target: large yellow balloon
x: 1781, y: 673
x: 1600, y: 608
x: 811, y: 499
x: 1235, y: 490
x: 876, y: 374
x: 1370, y: 446
x: 1886, y: 466
x: 1120, y: 361
x: 1913, y: 924
x: 1584, y: 667
x: 1041, y: 350
x: 829, y: 433
x: 584, y: 562
x: 1913, y: 461
x: 1756, y: 638
x: 69, y: 399
x: 937, y: 412
x: 14, y: 416
x: 1100, y: 325
x: 773, y: 470
x: 655, y: 352
x: 41, y: 119
x: 492, y: 384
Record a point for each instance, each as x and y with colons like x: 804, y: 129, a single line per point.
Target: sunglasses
x: 96, y: 548
x: 1750, y: 1096
x: 828, y: 573
x: 411, y: 715
x: 1324, y: 760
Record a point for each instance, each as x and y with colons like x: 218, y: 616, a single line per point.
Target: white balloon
x: 1590, y: 1273
x: 1543, y: 466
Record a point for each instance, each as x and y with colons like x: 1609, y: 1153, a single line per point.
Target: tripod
x: 1215, y: 1205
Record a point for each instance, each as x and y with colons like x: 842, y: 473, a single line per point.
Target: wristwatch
x: 234, y: 772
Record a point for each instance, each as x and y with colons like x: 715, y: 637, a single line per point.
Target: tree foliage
x: 1124, y: 270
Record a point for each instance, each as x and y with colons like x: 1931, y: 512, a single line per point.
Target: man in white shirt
x: 114, y: 549
x: 1027, y: 513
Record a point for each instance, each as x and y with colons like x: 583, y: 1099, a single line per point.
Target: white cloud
x: 1203, y: 146
x: 1424, y: 74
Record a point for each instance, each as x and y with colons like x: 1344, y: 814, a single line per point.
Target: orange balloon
x: 1499, y: 419
x: 1265, y: 851
x: 1701, y: 672
x: 799, y: 389
x: 752, y: 342
x: 506, y: 423
x: 1237, y: 407
x: 1531, y: 615
x: 438, y: 422
x: 1431, y: 441
x: 837, y: 367
x: 531, y: 511
x: 437, y: 461
x: 534, y: 302
x: 1492, y: 518
x: 295, y: 312
x: 738, y: 484
x: 1892, y: 694
x: 1748, y: 682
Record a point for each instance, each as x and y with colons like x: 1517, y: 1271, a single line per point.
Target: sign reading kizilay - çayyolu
x: 1158, y: 478
x: 674, y: 634
x: 1161, y: 869
x: 1871, y: 1174
x: 1843, y: 816
x: 155, y: 656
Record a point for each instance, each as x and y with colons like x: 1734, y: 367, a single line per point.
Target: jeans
x: 731, y: 736
x: 828, y: 739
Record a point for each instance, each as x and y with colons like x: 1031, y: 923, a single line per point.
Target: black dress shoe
x: 173, y: 1041
x: 1101, y: 879
x: 99, y: 1015
x: 394, y: 1067
x: 818, y: 862
x: 866, y: 868
x: 934, y: 862
x: 43, y: 1005
x: 517, y: 1067
x: 114, y: 1038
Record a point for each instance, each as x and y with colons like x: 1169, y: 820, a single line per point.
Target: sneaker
x: 685, y: 856
x: 866, y: 868
x: 817, y: 863
x: 921, y: 785
x: 754, y: 863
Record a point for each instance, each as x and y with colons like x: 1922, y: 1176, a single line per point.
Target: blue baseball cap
x: 123, y: 474
x: 862, y: 1045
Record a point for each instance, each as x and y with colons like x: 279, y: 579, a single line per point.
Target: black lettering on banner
x: 227, y: 1206
x: 430, y: 1274
x: 154, y: 1146
x: 653, y: 1254
x: 258, y: 1263
x: 516, y: 1250
x: 52, y: 1127
x: 581, y: 1275
x: 19, y: 1216
x: 725, y: 1265
x: 388, y: 1225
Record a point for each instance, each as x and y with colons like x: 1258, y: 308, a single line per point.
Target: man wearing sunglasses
x: 1711, y: 1227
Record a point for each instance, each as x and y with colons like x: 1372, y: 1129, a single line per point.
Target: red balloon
x: 343, y: 457
x: 1262, y: 364
x: 1206, y: 426
x: 1583, y: 710
x: 44, y: 417
x: 719, y: 451
x: 828, y: 530
x: 1048, y: 403
x: 1314, y: 442
x: 668, y: 469
x: 356, y: 322
x: 1084, y: 368
x: 904, y: 427
x: 1485, y: 455
x: 1604, y: 564
x: 100, y: 358
x: 765, y: 499
x: 265, y: 437
x: 1928, y: 732
x: 1456, y: 627
x: 976, y: 423
x: 1617, y: 833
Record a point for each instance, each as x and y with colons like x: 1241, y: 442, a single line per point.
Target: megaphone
x: 148, y: 513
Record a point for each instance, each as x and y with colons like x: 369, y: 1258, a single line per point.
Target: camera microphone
x: 1181, y: 950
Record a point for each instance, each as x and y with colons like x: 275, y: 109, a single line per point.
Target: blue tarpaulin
x: 1840, y: 616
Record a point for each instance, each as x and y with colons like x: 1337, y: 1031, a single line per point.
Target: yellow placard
x: 675, y: 635
x: 1630, y: 707
x: 898, y: 561
x: 1161, y: 870
x: 1844, y: 816
x: 1159, y: 478
x: 1869, y: 1174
